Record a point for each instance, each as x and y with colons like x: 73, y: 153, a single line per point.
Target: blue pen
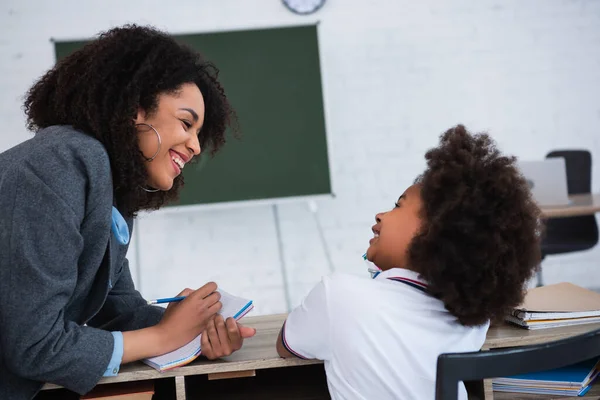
x: 166, y: 300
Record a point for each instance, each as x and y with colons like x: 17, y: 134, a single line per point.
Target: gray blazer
x: 64, y: 279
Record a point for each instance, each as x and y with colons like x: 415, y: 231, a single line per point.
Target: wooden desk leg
x: 180, y: 387
x: 487, y: 389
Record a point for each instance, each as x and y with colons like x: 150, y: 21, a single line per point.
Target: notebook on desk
x: 561, y: 304
x: 232, y: 306
x: 572, y: 380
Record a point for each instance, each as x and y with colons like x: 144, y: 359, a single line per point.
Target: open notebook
x: 233, y: 306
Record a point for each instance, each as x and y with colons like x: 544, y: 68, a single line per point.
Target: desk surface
x: 259, y: 352
x: 581, y: 204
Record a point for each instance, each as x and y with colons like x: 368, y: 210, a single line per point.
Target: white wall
x: 396, y: 74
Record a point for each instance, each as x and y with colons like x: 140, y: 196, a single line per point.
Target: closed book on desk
x: 551, y: 323
x: 562, y: 304
x: 573, y: 380
x: 232, y: 306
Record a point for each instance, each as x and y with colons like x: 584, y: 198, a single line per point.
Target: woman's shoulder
x: 59, y: 146
x: 73, y: 165
x: 63, y: 138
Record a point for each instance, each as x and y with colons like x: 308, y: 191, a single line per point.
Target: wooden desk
x: 259, y: 353
x: 581, y: 204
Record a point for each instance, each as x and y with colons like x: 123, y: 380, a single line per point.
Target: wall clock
x: 303, y: 7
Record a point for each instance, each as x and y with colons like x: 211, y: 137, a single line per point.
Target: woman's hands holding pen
x: 186, y: 319
x: 181, y: 323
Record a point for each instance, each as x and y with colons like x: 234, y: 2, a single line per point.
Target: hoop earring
x: 149, y: 190
x: 159, y: 142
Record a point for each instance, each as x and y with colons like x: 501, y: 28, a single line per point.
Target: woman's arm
x: 40, y: 249
x: 125, y: 309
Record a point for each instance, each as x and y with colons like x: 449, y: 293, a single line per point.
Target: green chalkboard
x: 273, y: 80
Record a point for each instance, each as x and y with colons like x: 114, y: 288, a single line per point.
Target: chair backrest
x: 453, y: 368
x: 579, y: 169
x: 572, y: 233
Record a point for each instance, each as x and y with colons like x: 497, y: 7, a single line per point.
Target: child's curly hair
x: 481, y: 228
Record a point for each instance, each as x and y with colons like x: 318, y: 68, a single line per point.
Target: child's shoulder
x: 344, y: 288
x: 343, y: 280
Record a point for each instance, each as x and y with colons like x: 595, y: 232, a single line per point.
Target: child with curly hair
x: 454, y: 253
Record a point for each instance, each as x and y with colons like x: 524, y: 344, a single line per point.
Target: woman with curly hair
x: 453, y: 254
x: 115, y: 124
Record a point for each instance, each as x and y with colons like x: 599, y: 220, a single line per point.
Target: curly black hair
x: 99, y: 89
x: 480, y: 239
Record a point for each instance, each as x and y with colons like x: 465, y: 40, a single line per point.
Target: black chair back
x: 570, y: 234
x: 453, y: 368
x: 579, y: 169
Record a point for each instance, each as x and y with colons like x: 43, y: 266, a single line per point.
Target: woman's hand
x: 181, y: 323
x: 221, y: 338
x: 186, y: 319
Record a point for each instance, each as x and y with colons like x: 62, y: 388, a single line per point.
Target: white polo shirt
x: 379, y: 338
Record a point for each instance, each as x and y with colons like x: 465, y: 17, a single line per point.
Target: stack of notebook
x: 562, y: 304
x: 574, y: 380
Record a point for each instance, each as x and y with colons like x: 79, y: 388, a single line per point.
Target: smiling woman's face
x: 178, y: 120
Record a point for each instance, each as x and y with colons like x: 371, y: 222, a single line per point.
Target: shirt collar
x: 401, y: 273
